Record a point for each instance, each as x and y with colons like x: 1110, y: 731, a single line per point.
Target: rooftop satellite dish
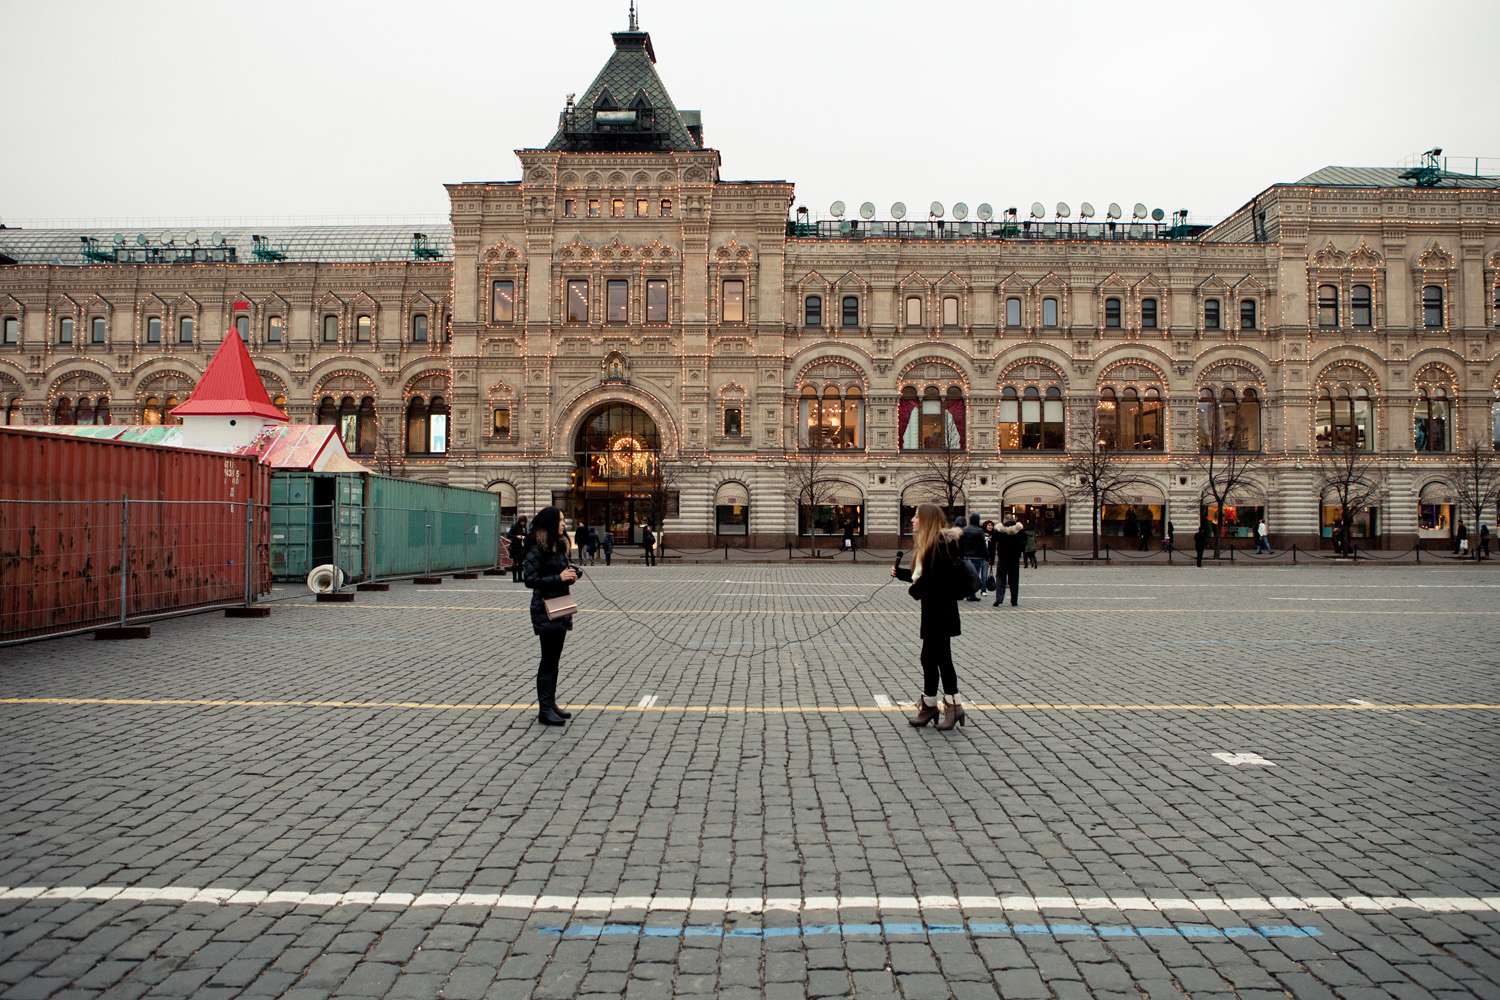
x: 843, y: 225
x: 140, y: 239
x: 1085, y: 211
x: 1037, y: 210
x: 1157, y: 214
x: 1063, y: 211
x: 118, y: 239
x: 1139, y: 211
x: 936, y: 209
x: 985, y: 212
x: 898, y: 210
x: 191, y: 237
x: 1114, y: 210
x: 837, y: 209
x: 167, y: 239
x: 960, y: 211
x: 867, y: 210
x: 217, y: 239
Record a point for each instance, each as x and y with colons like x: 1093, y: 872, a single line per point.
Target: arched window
x: 1148, y: 314
x: 1211, y: 319
x: 1049, y: 312
x: 812, y: 311
x: 168, y: 417
x: 13, y: 417
x: 914, y: 310
x: 328, y: 412
x: 832, y: 419
x: 1431, y: 420
x: 419, y: 328
x: 151, y: 410
x: 851, y: 310
x: 933, y: 421
x: 1130, y: 421
x: 1328, y: 306
x: 1432, y: 307
x: 426, y: 426
x: 1012, y: 312
x: 1031, y: 420
x: 366, y: 428
x: 362, y: 328
x: 1360, y: 312
x: 416, y: 426
x: 1343, y: 420
x: 83, y: 413
x: 1247, y: 314
x: 62, y: 411
x: 1112, y: 313
x: 1230, y: 421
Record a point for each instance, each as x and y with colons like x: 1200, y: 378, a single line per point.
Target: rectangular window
x: 330, y: 329
x: 503, y: 307
x: 1148, y: 314
x: 500, y: 422
x: 950, y: 311
x: 617, y: 208
x: 1049, y: 312
x: 733, y: 421
x: 1112, y: 313
x: 1328, y: 306
x: 419, y: 329
x: 1432, y: 307
x: 851, y: 310
x: 1013, y: 312
x: 12, y: 330
x: 184, y: 330
x: 273, y: 330
x: 642, y: 208
x: 913, y: 310
x: 617, y: 301
x: 578, y: 300
x: 242, y: 327
x: 812, y: 310
x: 97, y: 336
x: 1210, y: 314
x: 734, y: 301
x: 1247, y: 314
x: 65, y: 331
x: 656, y: 301
x: 593, y: 208
x: 666, y: 208
x: 153, y: 330
x: 570, y: 208
x: 1360, y: 313
x: 362, y: 327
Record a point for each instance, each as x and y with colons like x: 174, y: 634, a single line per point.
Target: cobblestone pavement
x: 1253, y: 783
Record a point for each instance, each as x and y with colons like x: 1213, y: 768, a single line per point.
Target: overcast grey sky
x: 220, y: 111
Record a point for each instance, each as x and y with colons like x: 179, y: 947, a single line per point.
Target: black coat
x: 1008, y: 542
x: 934, y: 590
x: 972, y: 542
x: 542, y: 573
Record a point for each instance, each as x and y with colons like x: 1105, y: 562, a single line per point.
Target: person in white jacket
x: 1261, y: 541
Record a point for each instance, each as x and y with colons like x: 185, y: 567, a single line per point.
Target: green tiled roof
x: 630, y: 70
x: 1378, y: 177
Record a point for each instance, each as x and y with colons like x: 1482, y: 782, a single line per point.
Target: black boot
x: 546, y: 697
x: 551, y: 717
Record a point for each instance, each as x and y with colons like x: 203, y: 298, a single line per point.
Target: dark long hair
x: 546, y: 530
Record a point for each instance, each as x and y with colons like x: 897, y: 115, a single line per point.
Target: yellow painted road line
x: 741, y: 709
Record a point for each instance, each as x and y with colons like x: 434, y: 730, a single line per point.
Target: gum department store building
x: 621, y: 312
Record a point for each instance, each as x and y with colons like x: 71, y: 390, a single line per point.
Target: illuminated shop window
x: 734, y: 301
x: 362, y: 327
x: 1228, y: 421
x: 1130, y: 422
x: 578, y: 300
x: 617, y: 301
x: 1031, y: 420
x: 500, y: 422
x: 833, y: 418
x: 656, y: 301
x: 933, y: 420
x: 503, y: 301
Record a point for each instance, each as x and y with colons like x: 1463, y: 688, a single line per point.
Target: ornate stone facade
x: 624, y: 270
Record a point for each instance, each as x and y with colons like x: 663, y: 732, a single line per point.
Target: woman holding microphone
x: 934, y: 558
x: 548, y: 573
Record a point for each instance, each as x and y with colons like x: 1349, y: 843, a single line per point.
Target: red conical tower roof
x: 231, y: 387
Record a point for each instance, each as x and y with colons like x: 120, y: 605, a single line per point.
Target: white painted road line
x: 883, y: 701
x: 649, y: 701
x: 753, y: 904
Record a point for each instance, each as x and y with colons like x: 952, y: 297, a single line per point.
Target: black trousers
x: 516, y: 565
x: 650, y: 555
x: 546, y: 671
x: 937, y: 664
x: 1007, y: 574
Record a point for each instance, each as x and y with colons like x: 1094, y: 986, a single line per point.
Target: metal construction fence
x: 78, y: 565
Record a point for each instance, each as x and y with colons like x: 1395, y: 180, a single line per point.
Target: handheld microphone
x: 899, y: 556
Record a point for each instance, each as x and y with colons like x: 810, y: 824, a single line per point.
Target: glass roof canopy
x: 300, y: 244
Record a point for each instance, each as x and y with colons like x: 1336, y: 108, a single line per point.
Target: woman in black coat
x: 517, y: 538
x: 934, y: 567
x: 548, y: 573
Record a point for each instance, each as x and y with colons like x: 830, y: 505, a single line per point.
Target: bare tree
x: 1474, y: 479
x: 1227, y: 469
x: 390, y: 460
x: 663, y: 484
x: 944, y: 473
x: 810, y: 483
x: 1096, y: 473
x: 1346, y: 476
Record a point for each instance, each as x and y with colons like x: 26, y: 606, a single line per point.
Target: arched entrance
x: 618, y: 484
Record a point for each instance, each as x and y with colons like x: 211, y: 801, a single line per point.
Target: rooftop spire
x: 635, y: 25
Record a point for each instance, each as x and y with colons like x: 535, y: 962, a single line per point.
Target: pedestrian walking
x: 1166, y: 539
x: 1461, y: 540
x: 1262, y: 540
x: 517, y: 547
x: 1200, y: 540
x: 971, y: 545
x: 581, y: 540
x: 607, y: 543
x: 1010, y: 544
x: 648, y: 542
x: 593, y: 549
x: 1028, y: 548
x: 933, y: 569
x: 1484, y: 541
x: 549, y: 575
x: 849, y: 536
x: 1145, y: 535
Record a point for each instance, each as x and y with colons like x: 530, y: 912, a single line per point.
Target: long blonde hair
x: 932, y: 530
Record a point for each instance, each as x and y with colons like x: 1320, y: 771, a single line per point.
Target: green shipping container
x: 424, y: 529
x: 305, y: 506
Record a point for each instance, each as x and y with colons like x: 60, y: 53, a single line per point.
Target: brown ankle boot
x: 953, y: 715
x: 925, y: 712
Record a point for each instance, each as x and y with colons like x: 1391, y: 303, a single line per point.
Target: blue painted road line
x: 1195, y: 931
